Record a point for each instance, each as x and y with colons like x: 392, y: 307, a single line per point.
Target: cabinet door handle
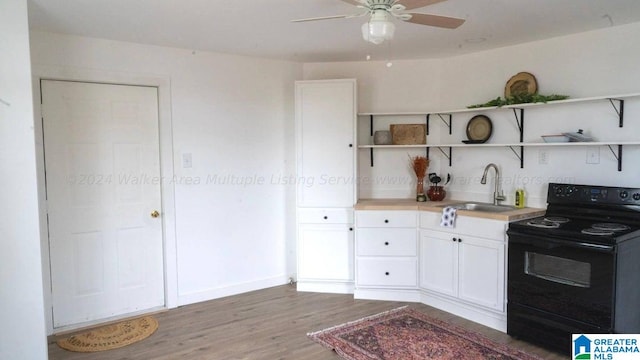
x: 459, y: 240
x: 386, y: 243
x: 386, y: 273
x: 350, y: 145
x: 350, y: 229
x: 386, y: 221
x: 454, y: 239
x: 326, y: 217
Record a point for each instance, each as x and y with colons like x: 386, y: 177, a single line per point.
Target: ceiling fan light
x: 378, y: 31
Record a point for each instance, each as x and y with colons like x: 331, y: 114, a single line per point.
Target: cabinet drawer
x: 400, y: 272
x: 386, y: 242
x: 391, y: 219
x: 325, y: 216
x: 466, y: 225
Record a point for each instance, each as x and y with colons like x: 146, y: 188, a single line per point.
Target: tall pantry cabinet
x: 326, y: 112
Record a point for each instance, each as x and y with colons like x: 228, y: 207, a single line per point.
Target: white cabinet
x: 481, y: 272
x: 325, y: 132
x: 405, y: 255
x: 325, y: 253
x: 325, y: 184
x: 463, y: 266
x: 386, y: 253
x: 462, y: 269
x: 438, y: 262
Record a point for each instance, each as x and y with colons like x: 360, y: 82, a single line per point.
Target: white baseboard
x: 326, y: 287
x: 210, y: 294
x: 387, y: 295
x: 495, y: 320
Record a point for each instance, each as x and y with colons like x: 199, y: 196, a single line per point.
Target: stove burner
x: 610, y: 227
x: 543, y: 223
x: 556, y: 219
x: 598, y: 232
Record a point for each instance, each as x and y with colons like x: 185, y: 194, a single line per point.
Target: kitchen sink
x: 486, y: 207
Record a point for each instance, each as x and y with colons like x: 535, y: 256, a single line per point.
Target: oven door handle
x: 549, y: 242
x: 560, y: 281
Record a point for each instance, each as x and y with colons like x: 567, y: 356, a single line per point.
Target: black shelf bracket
x: 519, y: 155
x: 371, y: 125
x: 448, y: 156
x: 371, y: 133
x: 427, y: 124
x: 445, y: 121
x: 619, y: 110
x: 519, y: 121
x: 617, y: 155
x: 518, y: 113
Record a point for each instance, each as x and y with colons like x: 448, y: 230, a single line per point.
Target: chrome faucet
x: 498, y: 195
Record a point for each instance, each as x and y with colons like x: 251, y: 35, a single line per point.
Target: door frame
x: 169, y: 241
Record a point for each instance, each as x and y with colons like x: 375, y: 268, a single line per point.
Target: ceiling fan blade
x: 325, y: 18
x: 435, y: 20
x: 356, y: 2
x: 414, y: 4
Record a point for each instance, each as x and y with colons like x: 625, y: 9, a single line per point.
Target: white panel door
x: 103, y: 183
x: 481, y: 272
x: 325, y: 118
x: 325, y: 252
x: 439, y: 262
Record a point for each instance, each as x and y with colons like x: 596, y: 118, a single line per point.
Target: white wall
x: 234, y: 115
x: 596, y: 63
x: 22, y: 329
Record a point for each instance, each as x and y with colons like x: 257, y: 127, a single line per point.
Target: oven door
x: 570, y: 279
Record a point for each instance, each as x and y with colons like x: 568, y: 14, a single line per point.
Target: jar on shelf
x: 382, y: 137
x: 436, y: 193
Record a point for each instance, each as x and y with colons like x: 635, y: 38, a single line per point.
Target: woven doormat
x: 111, y: 336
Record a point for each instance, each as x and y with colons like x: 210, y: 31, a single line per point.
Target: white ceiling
x: 262, y: 28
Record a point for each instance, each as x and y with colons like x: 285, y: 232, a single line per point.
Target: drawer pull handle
x: 386, y: 243
x: 459, y: 240
x: 386, y: 221
x: 386, y: 273
x: 326, y: 217
x: 454, y: 239
x: 350, y: 229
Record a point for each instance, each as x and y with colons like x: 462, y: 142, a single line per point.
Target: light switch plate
x: 543, y: 157
x: 187, y: 161
x: 593, y: 155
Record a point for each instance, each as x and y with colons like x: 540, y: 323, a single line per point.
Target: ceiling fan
x: 380, y: 27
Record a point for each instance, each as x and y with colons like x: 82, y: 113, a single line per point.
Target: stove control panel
x: 570, y: 193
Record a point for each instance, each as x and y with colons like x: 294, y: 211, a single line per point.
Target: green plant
x: 520, y: 99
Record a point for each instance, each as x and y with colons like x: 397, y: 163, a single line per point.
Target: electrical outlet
x: 543, y: 157
x: 593, y: 155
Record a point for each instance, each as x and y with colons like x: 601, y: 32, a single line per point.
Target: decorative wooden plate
x: 479, y: 129
x: 522, y: 83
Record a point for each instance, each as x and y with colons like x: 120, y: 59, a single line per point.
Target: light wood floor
x: 266, y: 324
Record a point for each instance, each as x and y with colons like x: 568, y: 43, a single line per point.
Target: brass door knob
x: 155, y: 214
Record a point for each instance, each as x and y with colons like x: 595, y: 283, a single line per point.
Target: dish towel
x: 448, y: 217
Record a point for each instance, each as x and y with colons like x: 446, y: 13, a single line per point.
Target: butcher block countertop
x: 437, y: 206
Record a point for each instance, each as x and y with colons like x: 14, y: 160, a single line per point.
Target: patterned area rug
x: 111, y: 336
x: 407, y: 334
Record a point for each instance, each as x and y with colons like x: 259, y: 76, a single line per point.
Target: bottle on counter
x: 519, y: 198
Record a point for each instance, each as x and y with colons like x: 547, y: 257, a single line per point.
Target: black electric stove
x: 576, y: 269
x: 572, y: 228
